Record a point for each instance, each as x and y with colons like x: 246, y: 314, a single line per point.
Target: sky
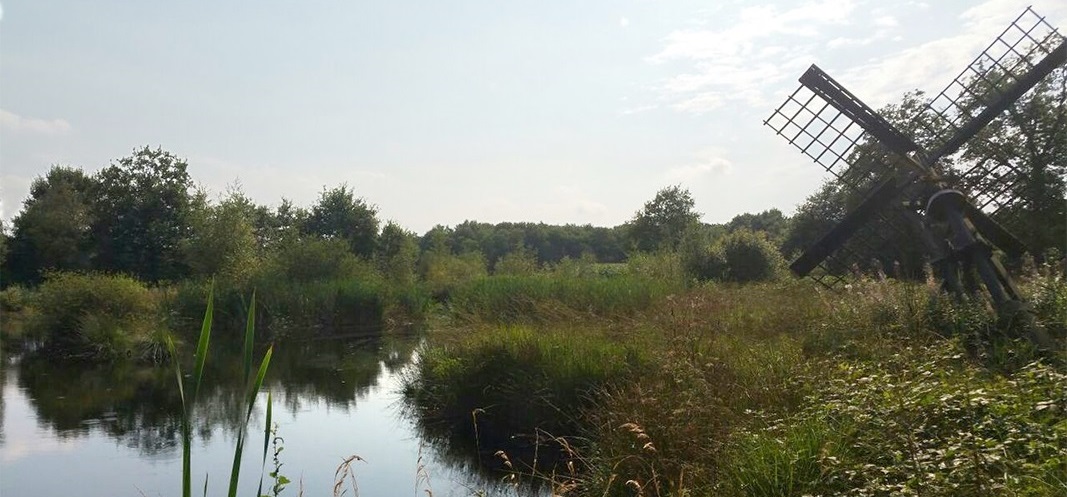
x: 438, y: 112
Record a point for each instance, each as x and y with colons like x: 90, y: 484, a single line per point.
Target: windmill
x: 912, y: 190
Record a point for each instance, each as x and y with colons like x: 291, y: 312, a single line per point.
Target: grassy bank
x: 768, y: 389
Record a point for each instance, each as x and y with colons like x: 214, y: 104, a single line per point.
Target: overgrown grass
x: 553, y: 296
x: 780, y: 389
x: 97, y: 316
x: 507, y: 387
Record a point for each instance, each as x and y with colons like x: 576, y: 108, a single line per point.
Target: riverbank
x: 765, y: 389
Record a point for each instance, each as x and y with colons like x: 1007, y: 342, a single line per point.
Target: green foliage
x: 311, y: 259
x: 141, y: 212
x: 95, y: 315
x: 663, y: 221
x: 52, y: 231
x: 340, y: 215
x: 739, y: 256
x: 534, y: 297
x: 14, y: 298
x: 517, y: 381
x: 749, y: 256
x: 517, y: 262
x: 253, y: 384
x: 397, y: 255
x: 921, y: 422
x: 222, y: 241
x: 443, y: 271
x: 771, y: 222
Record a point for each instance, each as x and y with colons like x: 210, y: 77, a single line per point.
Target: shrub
x: 94, y: 315
x: 749, y: 256
x: 442, y: 272
x: 13, y: 298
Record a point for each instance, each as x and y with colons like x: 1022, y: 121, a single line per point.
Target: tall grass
x: 253, y: 384
x: 540, y: 296
x: 777, y: 389
x: 97, y: 316
x: 502, y: 388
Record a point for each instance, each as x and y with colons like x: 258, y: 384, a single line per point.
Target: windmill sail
x: 874, y: 160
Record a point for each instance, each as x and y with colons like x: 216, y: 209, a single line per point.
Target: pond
x: 115, y: 430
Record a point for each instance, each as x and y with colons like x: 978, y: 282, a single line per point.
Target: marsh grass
x: 503, y: 388
x: 781, y: 389
x: 546, y: 296
x: 96, y: 316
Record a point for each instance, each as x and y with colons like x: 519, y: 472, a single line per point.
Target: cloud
x: 692, y: 172
x: 16, y: 123
x: 637, y: 110
x: 931, y: 65
x: 728, y: 63
x: 623, y: 22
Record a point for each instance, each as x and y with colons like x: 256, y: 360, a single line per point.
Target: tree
x: 141, y: 209
x: 771, y: 222
x: 222, y: 240
x: 340, y: 215
x: 1032, y: 140
x: 663, y: 221
x: 52, y: 231
x: 398, y: 252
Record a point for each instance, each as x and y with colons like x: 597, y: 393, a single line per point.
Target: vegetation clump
x: 98, y: 316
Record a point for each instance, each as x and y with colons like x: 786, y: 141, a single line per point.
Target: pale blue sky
x: 438, y: 112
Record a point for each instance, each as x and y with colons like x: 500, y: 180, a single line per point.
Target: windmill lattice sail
x: 1013, y: 56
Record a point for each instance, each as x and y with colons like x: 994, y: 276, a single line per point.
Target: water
x: 114, y: 430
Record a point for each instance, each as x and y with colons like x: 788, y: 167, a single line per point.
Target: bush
x: 748, y: 256
x: 94, y: 315
x: 442, y: 272
x: 13, y: 298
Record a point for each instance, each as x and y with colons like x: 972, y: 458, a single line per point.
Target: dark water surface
x: 93, y: 431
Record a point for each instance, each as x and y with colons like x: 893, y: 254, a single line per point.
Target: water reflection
x: 118, y: 425
x: 139, y: 405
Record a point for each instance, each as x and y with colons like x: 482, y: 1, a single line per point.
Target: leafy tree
x: 141, y: 210
x: 280, y: 226
x: 223, y: 240
x: 517, y: 262
x: 398, y: 252
x: 1032, y: 139
x: 771, y: 222
x: 340, y: 215
x: 663, y: 221
x: 4, y: 243
x: 52, y: 231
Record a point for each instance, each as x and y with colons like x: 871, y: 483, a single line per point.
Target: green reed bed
x: 331, y: 305
x: 96, y: 316
x: 500, y: 383
x: 780, y: 389
x: 552, y: 295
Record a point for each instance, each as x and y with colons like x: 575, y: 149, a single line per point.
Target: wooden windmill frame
x: 909, y: 188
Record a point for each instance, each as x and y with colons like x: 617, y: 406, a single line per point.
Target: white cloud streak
x: 13, y: 122
x: 728, y: 63
x: 692, y: 172
x: 931, y: 65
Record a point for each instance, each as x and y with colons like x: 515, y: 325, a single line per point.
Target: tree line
x: 142, y: 215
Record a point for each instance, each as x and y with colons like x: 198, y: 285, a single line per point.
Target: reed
x: 252, y: 383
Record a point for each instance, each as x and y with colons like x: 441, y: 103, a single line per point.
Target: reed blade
x: 202, y: 343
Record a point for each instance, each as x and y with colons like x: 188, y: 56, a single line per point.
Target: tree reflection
x: 139, y: 405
